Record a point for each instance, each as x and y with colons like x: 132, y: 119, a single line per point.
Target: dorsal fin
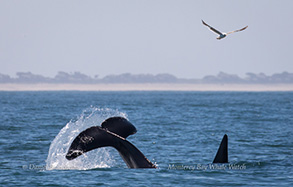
x: 222, y: 154
x: 119, y: 126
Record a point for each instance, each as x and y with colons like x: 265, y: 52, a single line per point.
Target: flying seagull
x: 222, y: 34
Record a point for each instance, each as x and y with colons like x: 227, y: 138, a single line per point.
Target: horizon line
x: 127, y: 73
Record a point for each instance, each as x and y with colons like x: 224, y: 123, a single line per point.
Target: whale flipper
x: 96, y: 137
x: 222, y: 154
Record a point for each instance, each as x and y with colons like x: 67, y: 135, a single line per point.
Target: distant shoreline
x: 146, y: 87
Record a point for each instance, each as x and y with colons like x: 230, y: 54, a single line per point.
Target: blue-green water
x: 179, y: 131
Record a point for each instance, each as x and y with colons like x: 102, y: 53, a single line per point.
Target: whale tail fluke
x: 119, y: 126
x: 112, y: 132
x: 222, y: 154
x: 89, y: 139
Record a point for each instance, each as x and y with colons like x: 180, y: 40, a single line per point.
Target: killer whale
x: 222, y: 153
x: 112, y: 132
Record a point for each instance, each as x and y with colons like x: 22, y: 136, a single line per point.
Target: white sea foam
x: 98, y: 158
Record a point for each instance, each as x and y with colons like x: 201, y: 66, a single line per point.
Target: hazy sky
x: 145, y: 36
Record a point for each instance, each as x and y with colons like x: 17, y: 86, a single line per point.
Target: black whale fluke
x: 119, y: 126
x: 222, y: 154
x: 112, y: 132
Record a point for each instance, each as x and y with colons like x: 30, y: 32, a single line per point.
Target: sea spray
x: 99, y: 158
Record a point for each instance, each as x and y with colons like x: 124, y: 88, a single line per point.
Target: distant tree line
x: 77, y: 77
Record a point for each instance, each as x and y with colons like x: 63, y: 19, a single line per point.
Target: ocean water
x: 178, y: 131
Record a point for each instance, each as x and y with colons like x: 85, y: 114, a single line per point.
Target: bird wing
x: 212, y: 29
x: 238, y: 30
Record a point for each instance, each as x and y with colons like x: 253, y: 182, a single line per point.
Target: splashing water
x: 98, y: 158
